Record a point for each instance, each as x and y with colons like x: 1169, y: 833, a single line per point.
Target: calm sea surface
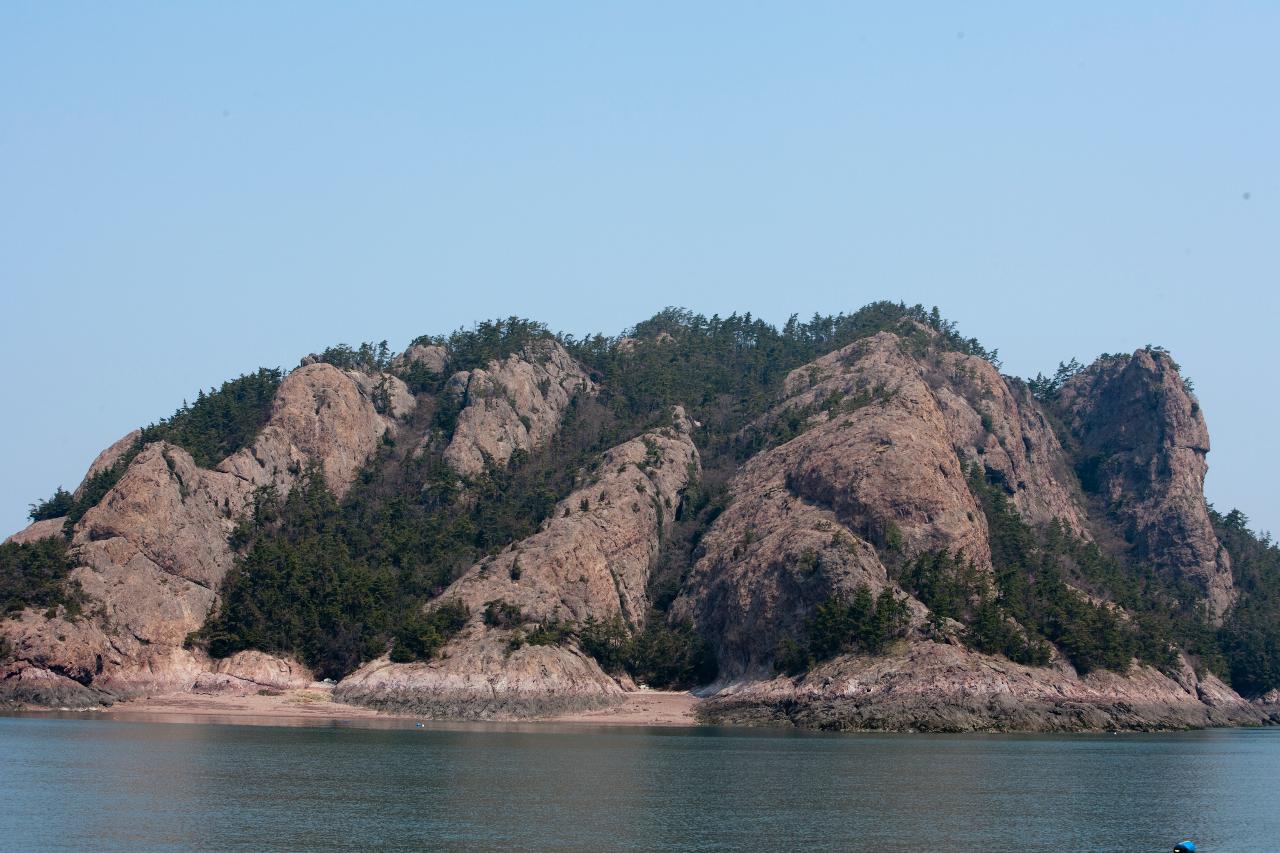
x: 108, y: 785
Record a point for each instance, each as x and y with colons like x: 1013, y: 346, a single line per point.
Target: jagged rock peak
x: 431, y: 357
x: 109, y: 457
x: 321, y: 416
x: 513, y: 404
x: 878, y: 466
x: 1142, y: 445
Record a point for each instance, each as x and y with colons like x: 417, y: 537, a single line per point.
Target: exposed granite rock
x: 880, y: 467
x: 435, y: 359
x: 108, y: 458
x: 323, y: 416
x: 250, y: 671
x: 514, y: 404
x: 37, y: 530
x: 887, y: 469
x: 770, y: 558
x: 875, y: 476
x: 1142, y: 443
x: 928, y: 686
x: 993, y: 421
x: 167, y: 511
x: 152, y: 552
x: 389, y: 395
x: 591, y: 559
x: 481, y: 678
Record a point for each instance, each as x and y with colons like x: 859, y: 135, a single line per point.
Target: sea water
x: 113, y: 785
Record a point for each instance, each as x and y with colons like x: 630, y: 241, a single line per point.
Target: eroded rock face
x: 514, y: 404
x: 250, y: 671
x: 37, y: 530
x: 481, y: 678
x: 928, y: 686
x: 770, y: 559
x: 152, y: 552
x: 109, y: 457
x: 591, y: 559
x: 435, y: 359
x: 879, y: 465
x: 323, y: 416
x: 1142, y: 444
x: 875, y: 474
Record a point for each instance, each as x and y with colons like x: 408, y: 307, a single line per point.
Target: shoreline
x: 314, y: 706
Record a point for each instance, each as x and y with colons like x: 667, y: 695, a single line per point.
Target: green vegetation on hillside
x: 222, y: 421
x: 491, y: 340
x: 55, y: 506
x: 1031, y: 576
x: 1250, y: 635
x: 34, y: 574
x: 339, y: 582
x: 727, y: 370
x: 840, y: 625
x: 953, y: 588
x: 672, y: 657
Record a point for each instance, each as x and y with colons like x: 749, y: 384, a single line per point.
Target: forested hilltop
x: 698, y: 501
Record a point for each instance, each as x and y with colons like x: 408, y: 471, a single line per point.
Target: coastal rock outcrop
x: 1142, y: 445
x: 251, y: 671
x: 889, y: 425
x: 933, y: 687
x: 590, y: 560
x: 513, y: 404
x: 151, y: 553
x: 1056, y: 496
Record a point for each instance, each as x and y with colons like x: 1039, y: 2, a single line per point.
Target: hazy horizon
x: 191, y: 193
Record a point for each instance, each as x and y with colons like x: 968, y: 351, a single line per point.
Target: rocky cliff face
x: 1142, y: 445
x: 152, y: 552
x: 880, y: 465
x: 513, y: 404
x: 861, y: 463
x: 109, y: 457
x: 430, y: 357
x: 591, y: 560
x: 321, y: 416
x: 876, y: 475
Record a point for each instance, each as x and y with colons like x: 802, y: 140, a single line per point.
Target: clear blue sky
x: 190, y: 191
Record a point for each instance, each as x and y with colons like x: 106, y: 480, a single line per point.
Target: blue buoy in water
x: 1187, y: 846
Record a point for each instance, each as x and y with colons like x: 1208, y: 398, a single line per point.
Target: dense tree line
x: 487, y: 341
x: 729, y: 369
x: 35, y: 574
x: 1250, y: 635
x: 842, y: 624
x: 1030, y: 576
x: 669, y: 656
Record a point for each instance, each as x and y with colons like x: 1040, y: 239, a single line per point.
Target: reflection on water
x: 147, y: 786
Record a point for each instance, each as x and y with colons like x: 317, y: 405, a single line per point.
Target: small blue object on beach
x: 420, y: 726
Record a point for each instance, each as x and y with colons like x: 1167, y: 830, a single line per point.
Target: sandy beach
x: 314, y: 706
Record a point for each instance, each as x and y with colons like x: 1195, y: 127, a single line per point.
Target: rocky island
x: 853, y: 523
